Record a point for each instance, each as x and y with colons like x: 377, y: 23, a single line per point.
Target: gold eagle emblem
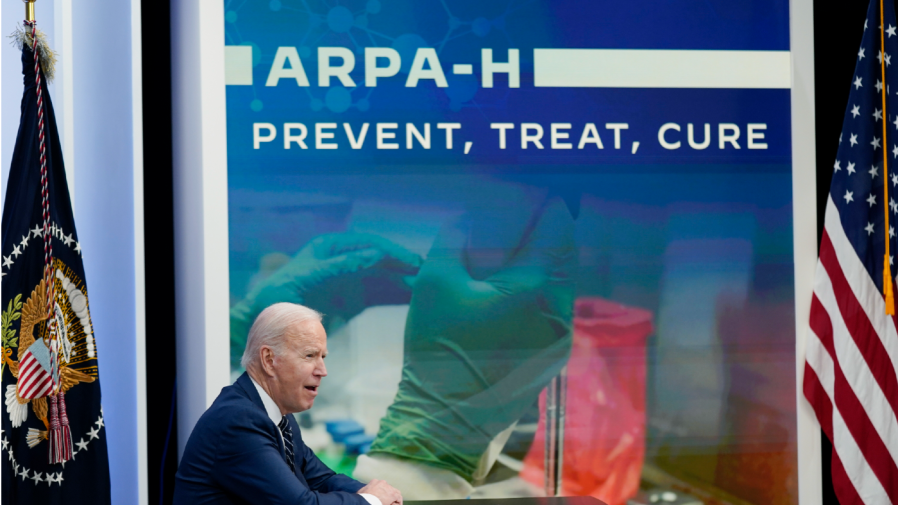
x: 34, y: 312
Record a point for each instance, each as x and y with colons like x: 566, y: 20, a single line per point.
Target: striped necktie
x: 287, y: 432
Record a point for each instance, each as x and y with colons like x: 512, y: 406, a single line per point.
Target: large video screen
x: 552, y: 241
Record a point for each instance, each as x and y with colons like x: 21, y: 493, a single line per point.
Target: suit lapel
x: 245, y: 383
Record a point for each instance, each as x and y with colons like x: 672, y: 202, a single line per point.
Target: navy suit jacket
x: 235, y: 455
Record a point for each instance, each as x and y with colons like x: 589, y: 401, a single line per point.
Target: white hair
x: 271, y: 326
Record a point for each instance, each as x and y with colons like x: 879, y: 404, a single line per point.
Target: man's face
x: 299, y: 370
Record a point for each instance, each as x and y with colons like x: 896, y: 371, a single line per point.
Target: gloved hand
x: 339, y: 275
x: 478, y: 352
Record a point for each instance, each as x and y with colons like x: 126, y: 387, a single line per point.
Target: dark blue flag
x: 50, y: 380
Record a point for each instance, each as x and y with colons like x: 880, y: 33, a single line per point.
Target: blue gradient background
x: 703, y: 239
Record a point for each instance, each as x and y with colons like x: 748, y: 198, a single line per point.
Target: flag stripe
x: 871, y: 349
x: 34, y: 381
x: 855, y: 464
x: 37, y: 388
x: 821, y: 336
x: 861, y: 476
x: 862, y: 285
x: 45, y: 389
x: 860, y: 383
x: 869, y: 442
x: 854, y: 473
x: 845, y: 491
x: 816, y: 395
x: 27, y: 369
x: 822, y: 326
x: 865, y: 482
x: 860, y: 402
x: 30, y: 374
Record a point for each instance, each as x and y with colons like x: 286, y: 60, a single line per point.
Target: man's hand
x: 387, y: 494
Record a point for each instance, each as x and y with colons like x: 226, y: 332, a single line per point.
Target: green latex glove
x: 478, y: 352
x: 339, y: 275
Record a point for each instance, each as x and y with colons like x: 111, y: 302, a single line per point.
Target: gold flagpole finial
x: 29, y: 10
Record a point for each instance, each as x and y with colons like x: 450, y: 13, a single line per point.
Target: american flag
x: 852, y: 353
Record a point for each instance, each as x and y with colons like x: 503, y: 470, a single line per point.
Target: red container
x: 604, y: 432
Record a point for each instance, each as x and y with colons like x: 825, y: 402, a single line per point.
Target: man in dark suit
x: 247, y: 447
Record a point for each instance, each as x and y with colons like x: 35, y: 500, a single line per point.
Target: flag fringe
x: 22, y: 37
x: 65, y: 450
x: 60, y: 434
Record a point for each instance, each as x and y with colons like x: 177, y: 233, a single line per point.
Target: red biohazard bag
x: 604, y: 432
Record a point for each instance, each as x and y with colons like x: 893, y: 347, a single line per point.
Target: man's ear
x: 266, y: 358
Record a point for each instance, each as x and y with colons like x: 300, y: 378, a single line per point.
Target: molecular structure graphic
x: 339, y: 19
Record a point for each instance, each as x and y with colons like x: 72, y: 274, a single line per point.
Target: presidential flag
x: 53, y: 436
x: 852, y: 346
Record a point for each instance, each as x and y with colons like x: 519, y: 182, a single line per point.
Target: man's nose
x: 321, y: 369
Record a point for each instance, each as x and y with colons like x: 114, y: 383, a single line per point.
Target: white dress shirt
x: 274, y: 413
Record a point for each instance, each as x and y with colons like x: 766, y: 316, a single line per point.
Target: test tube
x: 556, y: 399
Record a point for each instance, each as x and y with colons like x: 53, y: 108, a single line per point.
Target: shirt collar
x: 271, y: 408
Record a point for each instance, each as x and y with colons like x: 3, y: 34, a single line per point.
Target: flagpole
x: 29, y: 11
